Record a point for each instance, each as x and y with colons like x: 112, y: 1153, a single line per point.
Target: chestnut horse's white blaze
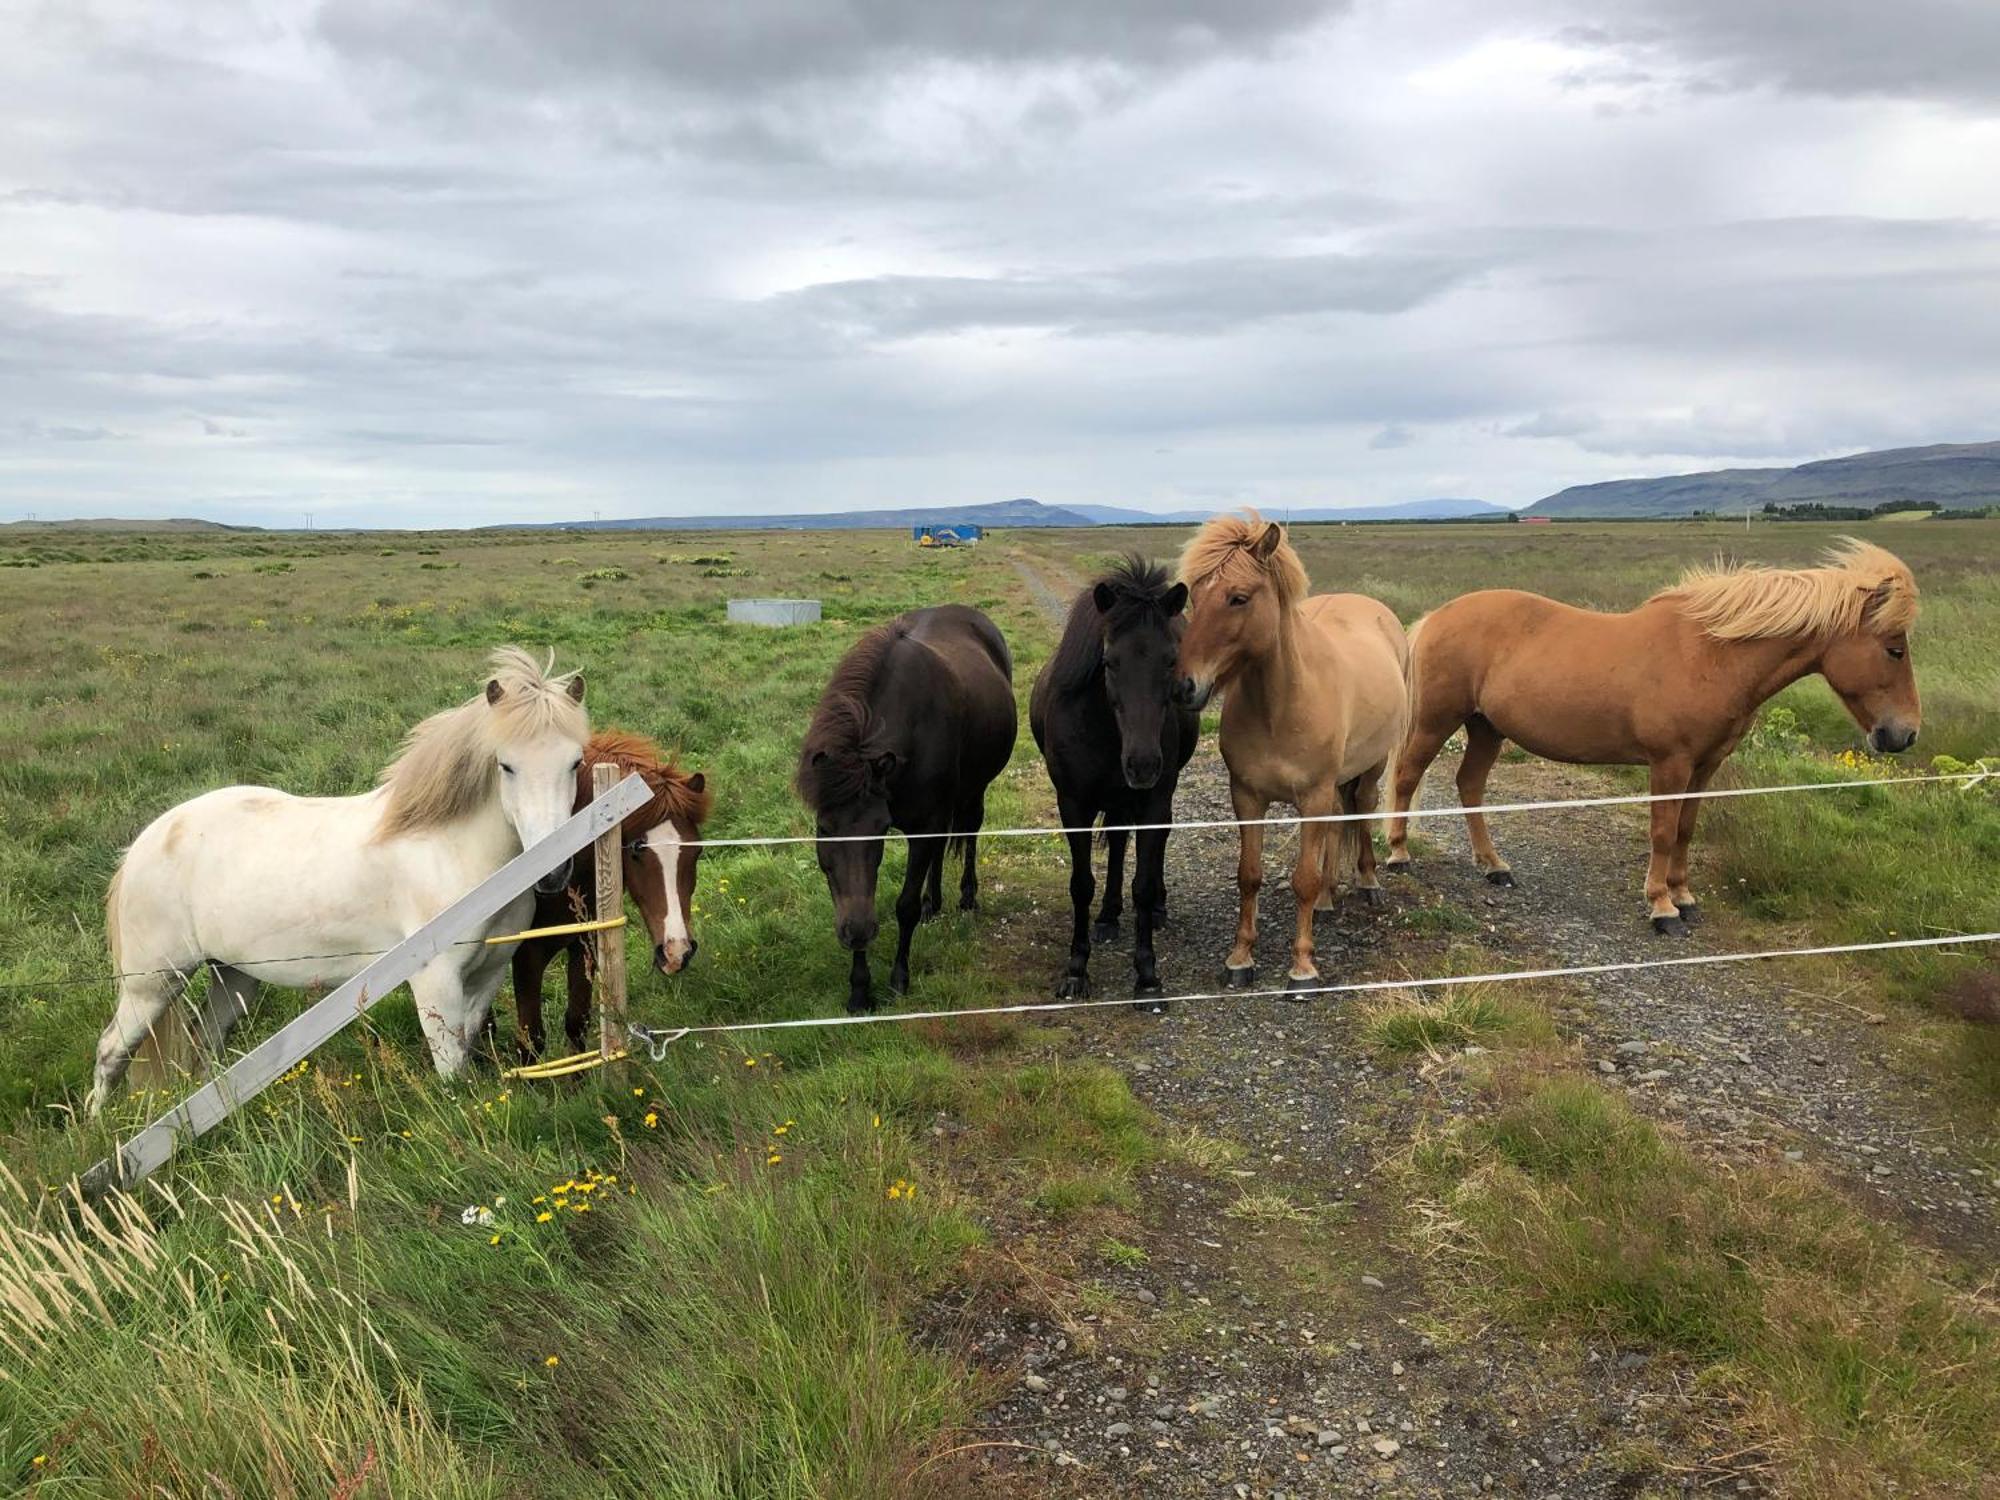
x: 243, y: 879
x: 1672, y: 685
x: 664, y: 842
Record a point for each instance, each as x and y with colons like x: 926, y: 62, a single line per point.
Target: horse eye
x: 1896, y: 652
x: 1237, y: 601
x: 577, y: 764
x: 507, y: 768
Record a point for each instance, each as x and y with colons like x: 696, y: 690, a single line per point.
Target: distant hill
x: 1408, y: 510
x: 997, y: 513
x: 113, y: 523
x: 1019, y: 513
x: 1958, y: 476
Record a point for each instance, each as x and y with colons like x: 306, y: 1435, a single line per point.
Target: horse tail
x: 112, y: 934
x: 1412, y: 694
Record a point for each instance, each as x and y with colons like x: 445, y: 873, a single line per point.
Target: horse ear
x: 819, y: 757
x: 1266, y: 544
x: 494, y: 692
x: 883, y: 767
x: 697, y: 783
x: 1103, y: 597
x: 1878, y: 598
x: 1175, y: 600
x: 575, y: 688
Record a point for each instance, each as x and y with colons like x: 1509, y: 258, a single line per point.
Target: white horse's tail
x: 168, y: 1053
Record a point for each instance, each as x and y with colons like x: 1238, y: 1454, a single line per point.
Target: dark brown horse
x: 660, y: 854
x: 1114, y: 740
x: 916, y: 722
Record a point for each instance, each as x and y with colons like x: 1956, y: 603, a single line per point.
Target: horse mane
x: 1223, y: 546
x: 672, y: 796
x: 1856, y: 586
x: 843, y: 723
x: 1137, y: 586
x: 444, y: 770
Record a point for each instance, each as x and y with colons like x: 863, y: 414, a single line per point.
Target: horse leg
x: 926, y: 855
x: 1482, y: 747
x: 969, y: 823
x: 531, y: 962
x: 860, y: 987
x: 576, y: 1015
x: 1308, y: 877
x: 1668, y: 776
x: 231, y: 993
x: 445, y: 1012
x: 143, y: 999
x: 1076, y: 983
x: 1114, y: 884
x: 1415, y: 758
x: 1363, y: 795
x: 1240, y: 968
x: 1677, y: 867
x: 1149, y: 884
x: 933, y: 898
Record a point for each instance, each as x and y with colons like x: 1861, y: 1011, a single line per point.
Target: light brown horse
x: 1672, y: 685
x: 1313, y: 708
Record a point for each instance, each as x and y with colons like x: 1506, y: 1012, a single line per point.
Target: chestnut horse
x: 1314, y: 707
x: 661, y: 848
x: 1672, y: 685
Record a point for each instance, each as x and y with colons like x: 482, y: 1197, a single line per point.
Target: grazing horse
x: 661, y: 846
x: 1673, y: 685
x: 1114, y: 740
x: 243, y: 879
x: 917, y: 720
x: 1314, y: 707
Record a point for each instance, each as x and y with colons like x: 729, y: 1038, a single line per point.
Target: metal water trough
x: 774, y: 611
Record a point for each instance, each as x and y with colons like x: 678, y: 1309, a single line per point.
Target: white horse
x: 244, y: 879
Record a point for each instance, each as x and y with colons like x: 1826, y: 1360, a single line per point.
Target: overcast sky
x: 468, y: 261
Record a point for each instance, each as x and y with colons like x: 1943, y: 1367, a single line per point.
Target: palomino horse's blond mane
x: 445, y: 769
x: 1857, y: 584
x: 1224, y: 543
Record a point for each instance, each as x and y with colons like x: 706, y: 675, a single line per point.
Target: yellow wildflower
x: 652, y: 1119
x: 773, y: 1159
x: 553, y: 1360
x: 543, y: 1217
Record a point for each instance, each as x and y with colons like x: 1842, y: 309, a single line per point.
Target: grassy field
x: 699, y: 1280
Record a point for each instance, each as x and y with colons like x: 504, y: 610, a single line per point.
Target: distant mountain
x: 997, y: 513
x: 1017, y: 513
x: 1408, y: 510
x: 1958, y: 476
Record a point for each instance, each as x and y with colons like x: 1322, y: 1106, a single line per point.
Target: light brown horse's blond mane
x: 673, y: 796
x: 1857, y: 586
x: 445, y: 769
x: 1223, y: 545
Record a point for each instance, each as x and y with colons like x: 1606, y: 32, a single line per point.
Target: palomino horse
x: 244, y: 879
x: 1672, y: 685
x: 1114, y: 741
x: 1314, y: 707
x: 661, y: 843
x: 916, y: 722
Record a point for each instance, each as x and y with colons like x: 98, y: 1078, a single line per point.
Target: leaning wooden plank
x: 250, y: 1074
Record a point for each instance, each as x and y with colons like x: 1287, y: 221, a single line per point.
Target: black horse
x: 916, y: 722
x: 1115, y: 737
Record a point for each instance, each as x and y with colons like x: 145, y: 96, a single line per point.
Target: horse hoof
x: 1500, y: 877
x: 1399, y: 867
x: 1690, y: 912
x: 1300, y: 988
x: 968, y: 903
x: 1104, y: 932
x: 1371, y: 895
x: 1240, y: 979
x: 862, y: 1005
x: 1151, y: 1007
x: 1670, y: 927
x: 1074, y: 987
x: 1149, y: 999
x: 899, y: 986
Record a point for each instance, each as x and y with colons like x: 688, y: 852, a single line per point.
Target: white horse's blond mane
x: 445, y: 769
x: 1857, y: 586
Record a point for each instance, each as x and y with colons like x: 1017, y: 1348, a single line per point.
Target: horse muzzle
x: 555, y: 880
x: 672, y: 957
x: 1891, y: 738
x: 1142, y: 772
x: 855, y: 936
x: 1190, y: 693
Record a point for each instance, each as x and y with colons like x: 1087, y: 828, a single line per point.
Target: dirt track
x: 1227, y: 1364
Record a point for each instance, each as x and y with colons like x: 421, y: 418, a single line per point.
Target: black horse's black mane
x: 1137, y: 586
x: 833, y: 762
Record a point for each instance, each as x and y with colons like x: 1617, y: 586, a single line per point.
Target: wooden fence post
x: 610, y: 856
